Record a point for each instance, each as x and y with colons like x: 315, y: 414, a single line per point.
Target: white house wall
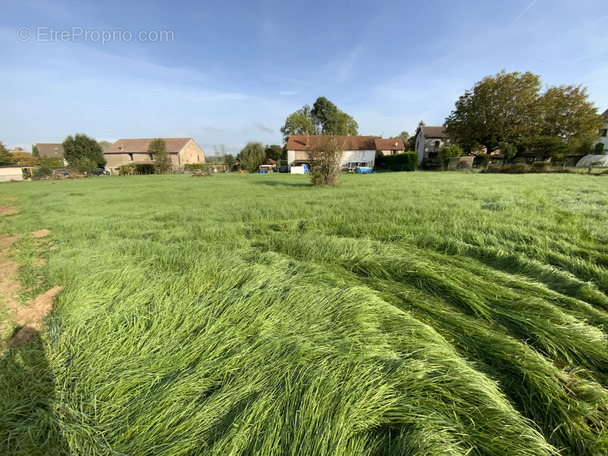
x: 348, y: 156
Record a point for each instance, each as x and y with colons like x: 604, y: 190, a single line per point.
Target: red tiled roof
x: 140, y: 146
x: 433, y: 132
x: 350, y: 142
x: 389, y: 144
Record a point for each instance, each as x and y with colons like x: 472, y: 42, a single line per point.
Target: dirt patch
x: 41, y: 233
x: 29, y: 317
x: 35, y: 311
x: 6, y: 240
x: 7, y: 209
x: 10, y: 198
x: 24, y: 336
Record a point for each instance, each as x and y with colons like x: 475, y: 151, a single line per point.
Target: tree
x: 24, y: 159
x: 299, y: 123
x: 567, y: 113
x: 104, y: 144
x: 324, y: 156
x: 81, y: 150
x: 509, y: 108
x: 548, y: 147
x: 405, y: 136
x: 500, y: 108
x: 331, y: 120
x: 162, y: 161
x: 5, y: 157
x: 35, y: 152
x: 252, y: 156
x: 323, y: 118
x: 509, y: 151
x: 229, y: 160
x: 274, y: 152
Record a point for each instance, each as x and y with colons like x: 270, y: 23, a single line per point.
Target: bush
x: 407, y: 161
x: 324, y: 156
x: 449, y: 152
x: 431, y: 164
x: 481, y: 161
x: 42, y: 172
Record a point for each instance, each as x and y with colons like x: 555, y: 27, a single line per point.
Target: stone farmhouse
x: 181, y: 151
x: 429, y: 141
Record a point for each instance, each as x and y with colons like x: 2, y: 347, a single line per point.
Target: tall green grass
x: 421, y: 314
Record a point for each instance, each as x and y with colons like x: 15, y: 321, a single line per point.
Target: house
x: 359, y: 151
x: 429, y: 141
x: 389, y: 146
x: 50, y: 150
x: 604, y: 131
x: 181, y: 151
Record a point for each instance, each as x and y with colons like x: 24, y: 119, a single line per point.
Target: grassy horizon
x: 401, y: 313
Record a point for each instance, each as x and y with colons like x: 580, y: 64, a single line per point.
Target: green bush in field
x: 407, y: 161
x: 42, y: 172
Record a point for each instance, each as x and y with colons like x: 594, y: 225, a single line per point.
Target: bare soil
x: 7, y: 209
x: 41, y: 233
x: 30, y: 317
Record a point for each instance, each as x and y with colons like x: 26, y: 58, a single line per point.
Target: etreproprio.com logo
x: 44, y: 34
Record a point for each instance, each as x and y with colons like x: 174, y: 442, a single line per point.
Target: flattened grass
x: 422, y: 314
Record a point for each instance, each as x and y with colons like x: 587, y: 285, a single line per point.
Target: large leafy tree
x: 274, y: 151
x: 300, y: 123
x: 83, y: 152
x: 500, y: 108
x: 323, y: 118
x: 566, y: 113
x: 252, y: 156
x: 162, y: 161
x: 509, y: 108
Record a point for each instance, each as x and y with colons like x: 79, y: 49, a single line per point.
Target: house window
x: 198, y: 158
x: 131, y: 157
x: 437, y: 144
x: 150, y: 157
x: 361, y: 154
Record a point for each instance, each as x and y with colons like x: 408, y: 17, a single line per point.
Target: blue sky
x: 232, y: 71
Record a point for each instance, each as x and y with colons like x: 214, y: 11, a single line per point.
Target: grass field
x: 399, y: 314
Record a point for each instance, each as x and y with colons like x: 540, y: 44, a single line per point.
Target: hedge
x: 407, y: 161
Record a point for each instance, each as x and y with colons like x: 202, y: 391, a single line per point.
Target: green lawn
x: 398, y: 314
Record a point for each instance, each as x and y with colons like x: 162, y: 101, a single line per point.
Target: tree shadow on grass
x: 283, y: 184
x: 28, y: 425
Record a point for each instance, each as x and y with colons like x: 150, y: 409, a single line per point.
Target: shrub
x: 324, y: 156
x: 42, y: 172
x: 448, y: 152
x: 481, y: 161
x: 125, y: 170
x: 407, y: 161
